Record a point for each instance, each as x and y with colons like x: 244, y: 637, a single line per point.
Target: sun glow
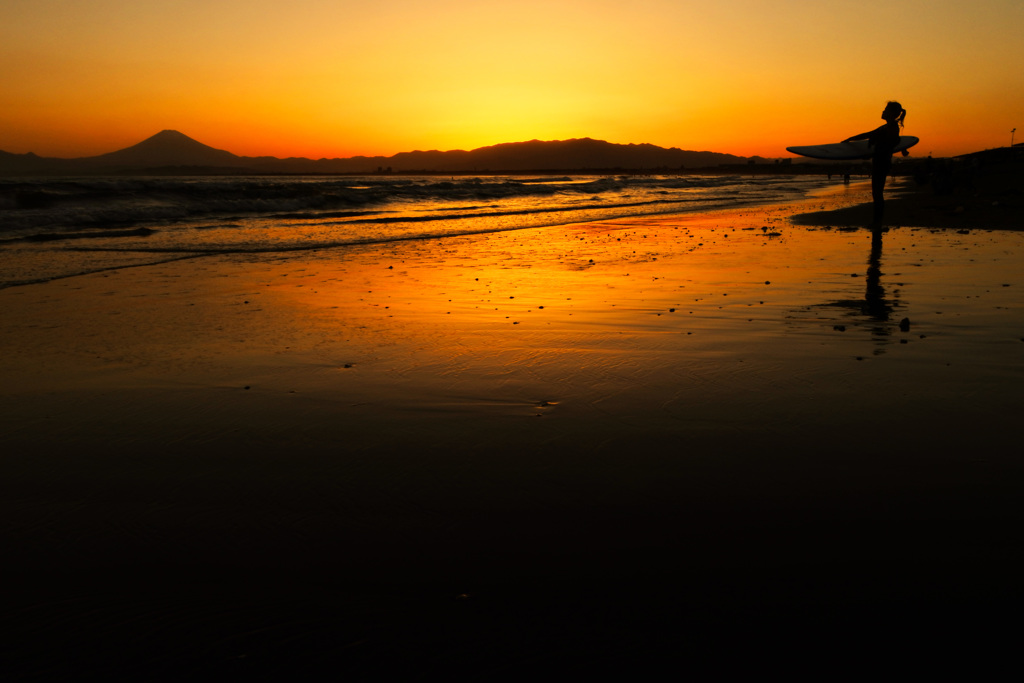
x: 323, y: 79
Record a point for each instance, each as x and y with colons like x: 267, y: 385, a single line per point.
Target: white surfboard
x: 839, y: 151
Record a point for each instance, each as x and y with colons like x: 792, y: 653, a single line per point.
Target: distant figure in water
x: 883, y: 141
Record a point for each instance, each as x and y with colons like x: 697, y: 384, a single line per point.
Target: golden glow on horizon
x: 326, y: 78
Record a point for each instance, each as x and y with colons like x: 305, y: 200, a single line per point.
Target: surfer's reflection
x: 874, y: 311
x: 876, y: 307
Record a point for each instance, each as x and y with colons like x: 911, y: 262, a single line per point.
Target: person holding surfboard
x: 883, y: 141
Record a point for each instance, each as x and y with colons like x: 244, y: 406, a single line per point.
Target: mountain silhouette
x: 170, y: 151
x: 575, y: 154
x: 168, y: 148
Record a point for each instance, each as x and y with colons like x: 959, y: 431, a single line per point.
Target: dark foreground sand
x: 701, y: 441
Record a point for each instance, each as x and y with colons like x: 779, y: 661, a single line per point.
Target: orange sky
x: 337, y: 78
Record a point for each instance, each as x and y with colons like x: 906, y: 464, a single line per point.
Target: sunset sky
x: 337, y: 78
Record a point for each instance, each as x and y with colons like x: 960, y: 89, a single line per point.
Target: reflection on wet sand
x: 643, y: 434
x: 874, y: 310
x: 876, y: 306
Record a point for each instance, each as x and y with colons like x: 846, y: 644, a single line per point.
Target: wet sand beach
x: 724, y: 440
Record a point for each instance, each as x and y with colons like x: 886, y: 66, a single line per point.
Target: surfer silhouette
x: 883, y: 141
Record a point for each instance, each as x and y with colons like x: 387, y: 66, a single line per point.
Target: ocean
x: 54, y: 228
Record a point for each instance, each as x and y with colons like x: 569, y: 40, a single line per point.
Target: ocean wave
x: 52, y: 228
x: 454, y: 225
x: 86, y: 202
x: 54, y: 236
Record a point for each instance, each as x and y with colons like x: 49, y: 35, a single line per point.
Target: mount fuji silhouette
x: 168, y: 148
x: 170, y: 152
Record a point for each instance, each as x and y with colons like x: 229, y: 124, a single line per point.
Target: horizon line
x: 388, y: 156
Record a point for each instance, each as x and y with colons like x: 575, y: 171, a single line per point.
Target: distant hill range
x: 170, y: 152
